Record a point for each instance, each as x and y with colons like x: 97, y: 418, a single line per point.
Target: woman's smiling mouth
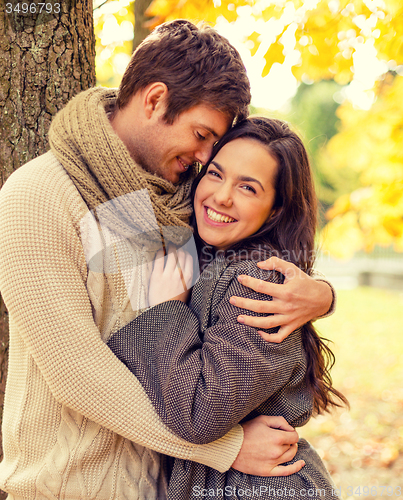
x: 217, y: 217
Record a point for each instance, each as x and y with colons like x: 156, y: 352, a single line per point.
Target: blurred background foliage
x: 346, y: 58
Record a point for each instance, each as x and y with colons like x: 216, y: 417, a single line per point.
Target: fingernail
x: 233, y: 301
x: 240, y: 279
x: 241, y: 319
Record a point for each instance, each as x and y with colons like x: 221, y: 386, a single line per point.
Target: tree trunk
x: 3, y: 359
x: 45, y: 59
x: 43, y: 63
x: 140, y: 18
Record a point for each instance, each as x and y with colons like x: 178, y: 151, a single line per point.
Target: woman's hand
x: 171, y: 277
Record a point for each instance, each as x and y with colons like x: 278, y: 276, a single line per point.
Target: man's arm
x: 188, y: 374
x: 299, y: 299
x: 43, y: 282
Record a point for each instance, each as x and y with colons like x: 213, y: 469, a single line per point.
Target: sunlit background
x: 340, y: 60
x: 278, y: 86
x: 334, y: 70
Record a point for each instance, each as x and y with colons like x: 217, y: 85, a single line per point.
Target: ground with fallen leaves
x: 363, y: 447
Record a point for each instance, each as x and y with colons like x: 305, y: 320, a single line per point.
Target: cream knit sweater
x: 77, y: 424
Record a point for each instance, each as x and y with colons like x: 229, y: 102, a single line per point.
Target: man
x: 77, y: 423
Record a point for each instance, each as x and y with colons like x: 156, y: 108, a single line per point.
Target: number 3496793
x: 25, y: 8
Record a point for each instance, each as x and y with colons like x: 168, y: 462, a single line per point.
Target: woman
x: 203, y: 370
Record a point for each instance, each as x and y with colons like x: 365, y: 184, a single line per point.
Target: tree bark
x: 43, y: 63
x: 45, y: 59
x: 140, y: 18
x: 3, y: 360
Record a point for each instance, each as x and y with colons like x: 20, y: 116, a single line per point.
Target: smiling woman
x: 204, y: 370
x: 230, y: 206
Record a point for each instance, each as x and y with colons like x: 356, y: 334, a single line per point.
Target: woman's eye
x: 200, y: 136
x: 249, y: 188
x: 214, y: 173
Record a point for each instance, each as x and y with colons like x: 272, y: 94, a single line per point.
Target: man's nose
x: 203, y: 155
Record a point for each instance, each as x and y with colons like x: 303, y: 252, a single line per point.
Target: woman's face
x: 235, y: 197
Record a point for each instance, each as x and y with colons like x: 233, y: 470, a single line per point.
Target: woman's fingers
x: 170, y: 261
x: 185, y: 265
x: 158, y: 263
x: 187, y: 269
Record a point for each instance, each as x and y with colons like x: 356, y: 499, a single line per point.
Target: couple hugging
x: 123, y: 383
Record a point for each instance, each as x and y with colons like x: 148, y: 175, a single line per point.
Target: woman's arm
x: 204, y: 383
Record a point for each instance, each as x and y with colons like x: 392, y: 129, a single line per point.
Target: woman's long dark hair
x: 289, y: 233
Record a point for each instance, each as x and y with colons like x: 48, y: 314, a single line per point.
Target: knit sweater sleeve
x: 318, y: 276
x: 204, y: 382
x: 43, y: 283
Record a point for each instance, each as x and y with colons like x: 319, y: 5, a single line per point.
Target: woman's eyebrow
x: 219, y: 167
x: 243, y: 178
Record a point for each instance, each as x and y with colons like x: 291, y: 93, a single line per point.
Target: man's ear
x: 154, y: 99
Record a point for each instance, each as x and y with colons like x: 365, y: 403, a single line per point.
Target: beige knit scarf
x: 83, y: 140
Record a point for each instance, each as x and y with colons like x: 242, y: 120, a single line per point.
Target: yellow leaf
x: 394, y: 226
x: 254, y: 38
x: 273, y: 11
x: 342, y: 237
x: 273, y: 55
x: 341, y: 206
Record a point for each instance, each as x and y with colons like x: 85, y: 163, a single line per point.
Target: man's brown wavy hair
x: 198, y: 66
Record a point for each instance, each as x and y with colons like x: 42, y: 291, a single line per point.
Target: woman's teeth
x: 218, y: 217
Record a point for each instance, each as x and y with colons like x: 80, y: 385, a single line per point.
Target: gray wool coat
x: 205, y: 372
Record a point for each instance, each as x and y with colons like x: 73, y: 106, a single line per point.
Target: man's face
x: 168, y: 150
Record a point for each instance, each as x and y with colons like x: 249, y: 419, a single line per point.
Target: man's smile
x: 184, y: 165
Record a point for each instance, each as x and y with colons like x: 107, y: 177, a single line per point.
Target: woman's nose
x: 223, y: 195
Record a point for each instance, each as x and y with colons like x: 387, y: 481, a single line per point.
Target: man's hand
x: 268, y: 442
x: 295, y: 302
